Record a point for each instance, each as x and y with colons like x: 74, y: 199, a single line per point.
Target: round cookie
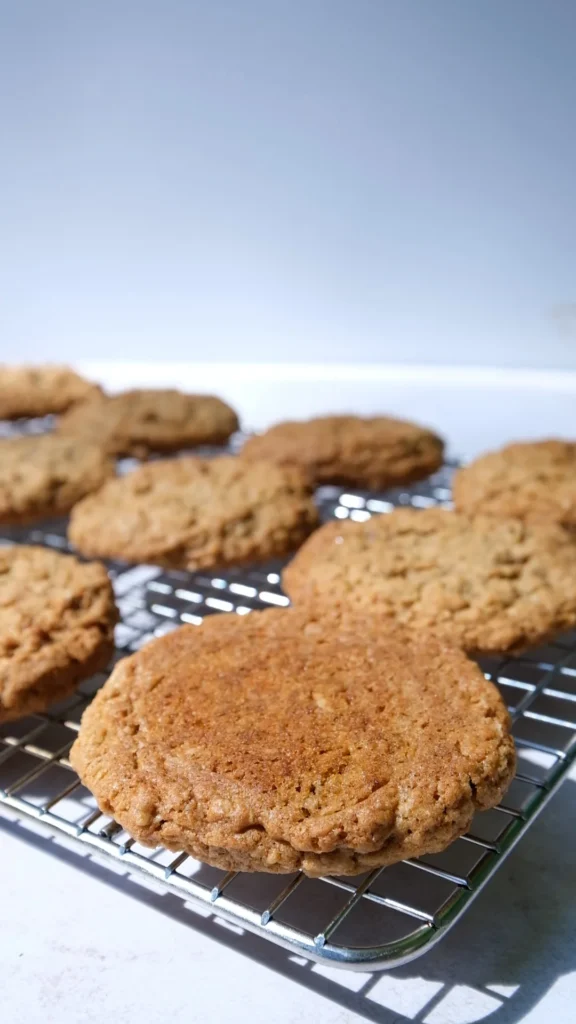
x: 41, y: 390
x: 142, y: 421
x: 193, y: 513
x: 530, y: 480
x: 373, y: 453
x: 270, y: 743
x: 482, y: 583
x: 57, y: 618
x: 45, y: 475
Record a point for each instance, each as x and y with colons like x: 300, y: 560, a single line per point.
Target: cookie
x: 193, y: 513
x: 57, y: 618
x: 138, y: 422
x: 44, y: 476
x: 483, y: 583
x: 270, y: 743
x: 41, y: 390
x: 531, y: 480
x: 373, y: 453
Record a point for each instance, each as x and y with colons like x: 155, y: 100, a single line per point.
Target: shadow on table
x: 498, y: 962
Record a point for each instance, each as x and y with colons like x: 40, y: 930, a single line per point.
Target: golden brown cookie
x: 482, y: 583
x: 193, y: 513
x: 57, y: 618
x: 374, y: 453
x: 138, y: 422
x: 269, y: 743
x: 41, y: 390
x: 531, y: 480
x: 44, y: 476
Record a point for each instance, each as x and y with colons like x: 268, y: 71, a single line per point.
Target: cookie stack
x: 344, y: 734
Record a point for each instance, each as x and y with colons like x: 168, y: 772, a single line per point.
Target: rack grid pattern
x: 375, y: 921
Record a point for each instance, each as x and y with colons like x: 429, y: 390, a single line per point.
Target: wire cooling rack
x: 377, y: 920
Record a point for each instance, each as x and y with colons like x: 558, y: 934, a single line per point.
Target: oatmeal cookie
x: 57, y: 618
x: 44, y: 476
x: 373, y: 453
x: 485, y: 584
x: 41, y: 390
x: 142, y: 421
x: 193, y: 513
x: 272, y: 743
x: 530, y: 480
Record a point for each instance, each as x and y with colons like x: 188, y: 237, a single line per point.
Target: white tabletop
x: 76, y: 949
x: 78, y: 946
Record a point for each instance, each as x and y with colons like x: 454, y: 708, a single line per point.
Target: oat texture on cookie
x: 489, y: 585
x: 532, y: 480
x: 273, y: 742
x: 57, y: 618
x: 194, y: 513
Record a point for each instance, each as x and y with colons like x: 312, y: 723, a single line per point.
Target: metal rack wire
x: 375, y: 921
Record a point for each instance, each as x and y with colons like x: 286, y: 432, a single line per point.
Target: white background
x: 260, y: 180
x: 75, y: 951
